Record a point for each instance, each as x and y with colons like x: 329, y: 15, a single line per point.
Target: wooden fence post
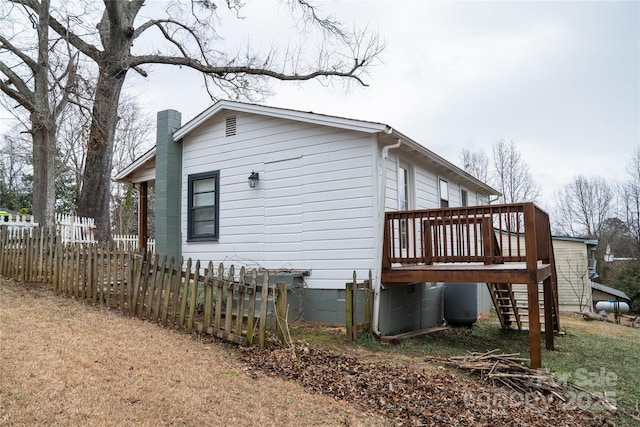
x: 264, y: 294
x: 350, y: 309
x: 170, y: 287
x: 176, y: 286
x: 282, y: 328
x: 208, y: 296
x: 228, y: 314
x: 240, y: 292
x: 351, y: 306
x: 193, y: 298
x: 368, y: 303
x: 185, y: 291
x: 251, y: 312
x: 56, y: 268
x: 219, y: 296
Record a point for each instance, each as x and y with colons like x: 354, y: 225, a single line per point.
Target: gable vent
x: 230, y: 126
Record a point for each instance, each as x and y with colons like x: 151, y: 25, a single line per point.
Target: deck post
x: 488, y: 239
x: 533, y: 302
x: 386, y: 244
x: 548, y: 313
x: 535, y: 353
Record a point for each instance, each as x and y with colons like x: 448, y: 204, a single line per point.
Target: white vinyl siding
x: 313, y: 208
x: 426, y: 189
x: 316, y: 204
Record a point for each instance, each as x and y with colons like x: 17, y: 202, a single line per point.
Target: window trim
x: 464, y: 192
x: 191, y: 237
x: 440, y: 198
x: 407, y: 190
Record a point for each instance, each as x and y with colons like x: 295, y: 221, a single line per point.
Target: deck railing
x: 491, y: 234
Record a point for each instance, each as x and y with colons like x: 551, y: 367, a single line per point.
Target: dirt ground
x: 66, y: 364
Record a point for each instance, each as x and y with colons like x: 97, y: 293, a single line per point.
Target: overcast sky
x: 562, y: 79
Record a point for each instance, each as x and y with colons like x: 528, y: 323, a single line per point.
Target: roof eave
x: 283, y: 113
x: 446, y: 164
x: 123, y: 175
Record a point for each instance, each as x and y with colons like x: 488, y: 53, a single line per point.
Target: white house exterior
x: 324, y: 184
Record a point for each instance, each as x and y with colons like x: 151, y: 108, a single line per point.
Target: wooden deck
x: 499, y: 245
x: 465, y: 273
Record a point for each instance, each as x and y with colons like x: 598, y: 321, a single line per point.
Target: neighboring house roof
x: 7, y: 212
x: 609, y: 290
x: 576, y: 239
x: 313, y: 118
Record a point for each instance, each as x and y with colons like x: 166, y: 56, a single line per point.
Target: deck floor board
x: 515, y: 272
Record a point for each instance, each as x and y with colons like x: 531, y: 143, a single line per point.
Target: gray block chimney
x: 168, y: 184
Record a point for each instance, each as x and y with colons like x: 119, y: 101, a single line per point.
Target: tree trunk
x: 116, y: 34
x: 43, y: 130
x: 44, y: 168
x: 95, y: 194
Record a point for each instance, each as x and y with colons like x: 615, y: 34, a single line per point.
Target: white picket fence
x: 131, y: 241
x: 72, y: 229
x: 75, y: 229
x: 16, y: 223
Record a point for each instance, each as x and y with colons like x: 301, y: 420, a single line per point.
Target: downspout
x: 381, y: 201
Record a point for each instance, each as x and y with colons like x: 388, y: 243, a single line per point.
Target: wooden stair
x: 510, y: 302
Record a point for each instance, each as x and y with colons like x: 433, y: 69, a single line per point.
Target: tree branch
x: 224, y: 71
x: 17, y: 96
x: 86, y: 48
x: 22, y: 93
x: 173, y: 41
x: 70, y: 85
x: 326, y: 24
x: 13, y: 49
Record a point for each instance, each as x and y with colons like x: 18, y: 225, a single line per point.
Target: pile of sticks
x: 509, y: 370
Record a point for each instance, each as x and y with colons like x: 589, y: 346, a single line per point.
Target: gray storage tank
x: 464, y: 302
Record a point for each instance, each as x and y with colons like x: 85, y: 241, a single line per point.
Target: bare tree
x: 475, y: 164
x: 511, y: 174
x: 631, y: 198
x: 189, y: 32
x: 38, y: 76
x: 506, y: 171
x: 132, y: 139
x: 72, y: 137
x: 583, y: 206
x: 577, y: 276
x: 15, y: 169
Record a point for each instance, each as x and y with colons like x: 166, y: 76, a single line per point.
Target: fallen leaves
x: 409, y: 396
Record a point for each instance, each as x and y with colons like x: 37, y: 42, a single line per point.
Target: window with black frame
x: 203, y: 206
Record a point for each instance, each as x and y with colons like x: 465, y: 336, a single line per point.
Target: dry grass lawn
x: 66, y: 364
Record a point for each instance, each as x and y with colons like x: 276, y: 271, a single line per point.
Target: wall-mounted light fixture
x: 253, y: 179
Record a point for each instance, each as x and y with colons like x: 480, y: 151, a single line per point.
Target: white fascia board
x: 140, y: 161
x: 283, y: 113
x: 451, y: 168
